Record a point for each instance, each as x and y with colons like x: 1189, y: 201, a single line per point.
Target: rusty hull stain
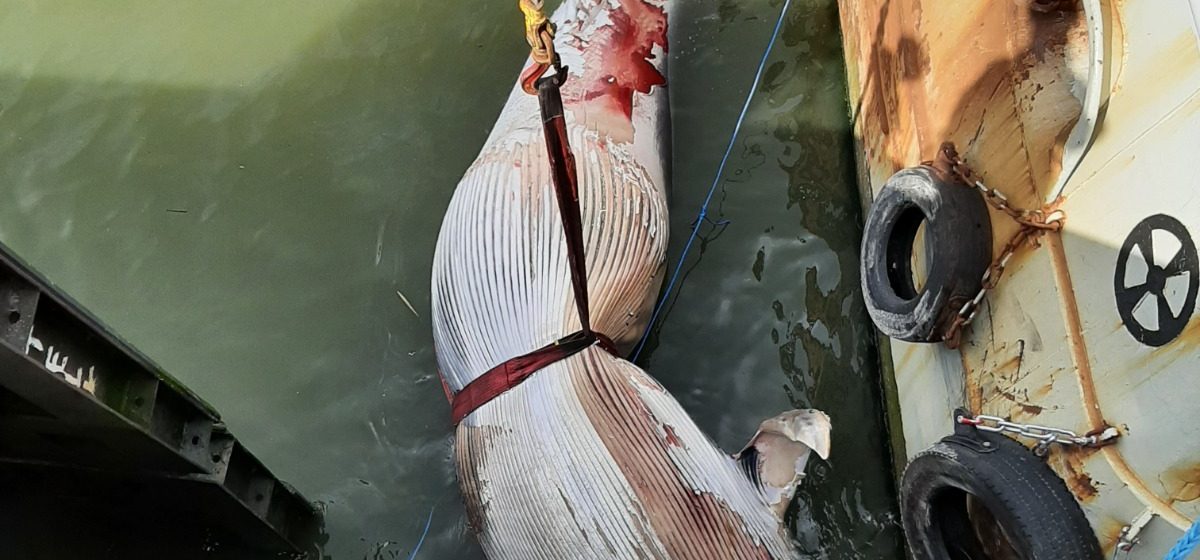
x: 1182, y: 482
x: 972, y: 386
x: 1075, y: 341
x: 1087, y: 388
x: 1023, y: 409
x: 994, y: 381
x: 1068, y: 463
x: 990, y: 76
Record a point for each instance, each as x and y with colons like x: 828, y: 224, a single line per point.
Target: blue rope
x: 703, y: 215
x: 1187, y: 543
x: 424, y: 534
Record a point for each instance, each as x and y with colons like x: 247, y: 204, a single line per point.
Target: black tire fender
x: 965, y: 494
x: 958, y: 248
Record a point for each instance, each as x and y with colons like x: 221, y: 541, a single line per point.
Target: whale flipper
x: 775, y: 457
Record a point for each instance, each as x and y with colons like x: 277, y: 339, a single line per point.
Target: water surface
x: 250, y: 191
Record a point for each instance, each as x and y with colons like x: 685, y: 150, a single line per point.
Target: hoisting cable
x: 702, y: 216
x: 539, y: 32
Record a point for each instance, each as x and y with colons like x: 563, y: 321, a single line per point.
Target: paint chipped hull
x: 1094, y: 107
x: 589, y: 458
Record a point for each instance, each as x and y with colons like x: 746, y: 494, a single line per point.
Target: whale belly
x: 594, y: 459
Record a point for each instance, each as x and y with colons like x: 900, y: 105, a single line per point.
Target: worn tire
x: 958, y: 245
x: 1038, y: 517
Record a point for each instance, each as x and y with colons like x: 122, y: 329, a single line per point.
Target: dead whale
x: 590, y: 457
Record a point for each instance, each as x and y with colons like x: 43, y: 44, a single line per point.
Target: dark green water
x: 240, y: 188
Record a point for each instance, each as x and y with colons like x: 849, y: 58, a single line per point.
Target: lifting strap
x: 562, y: 164
x: 505, y: 376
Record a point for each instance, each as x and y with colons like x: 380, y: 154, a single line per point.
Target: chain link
x: 991, y: 277
x: 1044, y: 435
x: 1033, y: 224
x: 1034, y: 219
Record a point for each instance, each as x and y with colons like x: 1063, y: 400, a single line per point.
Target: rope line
x: 424, y: 534
x: 1187, y: 543
x: 702, y: 216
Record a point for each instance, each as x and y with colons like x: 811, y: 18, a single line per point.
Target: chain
x: 991, y: 277
x: 1044, y: 435
x: 1033, y: 224
x: 1033, y: 219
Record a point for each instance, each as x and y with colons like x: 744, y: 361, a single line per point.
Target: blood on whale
x: 619, y: 63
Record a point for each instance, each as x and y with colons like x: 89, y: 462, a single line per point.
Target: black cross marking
x: 1182, y: 262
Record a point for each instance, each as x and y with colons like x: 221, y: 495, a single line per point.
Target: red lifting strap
x: 498, y: 380
x: 562, y: 163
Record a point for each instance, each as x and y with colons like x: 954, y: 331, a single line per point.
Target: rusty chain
x: 1033, y: 223
x: 1037, y: 219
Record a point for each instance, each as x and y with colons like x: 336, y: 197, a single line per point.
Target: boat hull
x: 1094, y: 109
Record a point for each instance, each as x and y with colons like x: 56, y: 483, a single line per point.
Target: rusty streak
x: 1087, y: 387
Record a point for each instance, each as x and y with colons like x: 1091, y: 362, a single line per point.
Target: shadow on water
x: 260, y: 240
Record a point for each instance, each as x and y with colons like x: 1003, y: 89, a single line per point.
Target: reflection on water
x: 251, y: 195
